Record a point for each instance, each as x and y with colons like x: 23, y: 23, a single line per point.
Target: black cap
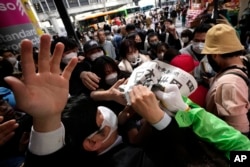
x: 90, y: 45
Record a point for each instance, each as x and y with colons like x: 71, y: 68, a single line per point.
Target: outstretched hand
x: 7, y: 130
x: 43, y: 95
x: 144, y: 102
x: 116, y: 94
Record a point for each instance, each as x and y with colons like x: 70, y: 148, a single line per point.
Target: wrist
x: 108, y: 95
x: 163, y: 123
x: 47, y: 124
x: 156, y: 117
x: 184, y: 107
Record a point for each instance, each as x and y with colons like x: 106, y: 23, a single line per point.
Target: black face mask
x: 153, y: 45
x: 215, y: 66
x: 139, y: 45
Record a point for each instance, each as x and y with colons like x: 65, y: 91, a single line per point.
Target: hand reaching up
x: 171, y: 99
x: 144, y: 102
x: 43, y: 95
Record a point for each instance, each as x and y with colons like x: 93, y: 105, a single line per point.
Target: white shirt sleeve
x: 163, y: 123
x: 46, y: 143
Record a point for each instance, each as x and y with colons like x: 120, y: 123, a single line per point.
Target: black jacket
x: 172, y: 146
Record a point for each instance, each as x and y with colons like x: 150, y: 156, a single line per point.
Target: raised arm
x: 44, y: 94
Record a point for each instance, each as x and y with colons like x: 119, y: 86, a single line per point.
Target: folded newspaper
x: 159, y: 73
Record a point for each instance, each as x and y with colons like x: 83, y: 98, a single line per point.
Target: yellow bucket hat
x: 221, y: 39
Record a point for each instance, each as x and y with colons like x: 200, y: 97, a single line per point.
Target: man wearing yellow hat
x: 228, y: 94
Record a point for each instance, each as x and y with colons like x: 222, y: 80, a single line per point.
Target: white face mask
x: 109, y: 119
x: 111, y: 78
x: 12, y: 60
x: 134, y: 59
x: 160, y: 55
x: 184, y: 39
x: 96, y: 55
x: 66, y: 59
x: 198, y: 46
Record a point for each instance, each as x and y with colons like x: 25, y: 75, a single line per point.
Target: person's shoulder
x: 230, y: 79
x: 186, y: 50
x: 145, y: 57
x: 108, y: 42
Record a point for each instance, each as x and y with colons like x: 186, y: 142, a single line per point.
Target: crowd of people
x: 61, y: 103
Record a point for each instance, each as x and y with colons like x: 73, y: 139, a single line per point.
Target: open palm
x: 45, y: 93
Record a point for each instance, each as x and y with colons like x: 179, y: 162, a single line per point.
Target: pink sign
x: 12, y: 13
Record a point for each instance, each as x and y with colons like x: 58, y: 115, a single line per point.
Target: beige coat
x: 228, y: 99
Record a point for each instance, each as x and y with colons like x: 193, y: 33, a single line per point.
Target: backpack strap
x: 246, y: 79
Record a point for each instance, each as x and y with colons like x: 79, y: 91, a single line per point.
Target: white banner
x: 157, y: 72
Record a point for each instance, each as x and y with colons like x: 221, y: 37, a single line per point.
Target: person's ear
x: 92, y: 144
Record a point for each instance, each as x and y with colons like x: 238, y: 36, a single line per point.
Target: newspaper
x: 159, y: 73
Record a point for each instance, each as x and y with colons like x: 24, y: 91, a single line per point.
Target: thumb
x: 159, y: 94
x: 171, y: 88
x: 17, y: 87
x: 118, y: 83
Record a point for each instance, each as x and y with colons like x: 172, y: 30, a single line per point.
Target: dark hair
x: 6, y: 69
x: 130, y: 27
x: 99, y: 66
x: 150, y: 31
x: 152, y: 34
x: 69, y: 43
x: 162, y: 44
x: 100, y: 30
x: 2, y: 51
x: 170, y: 54
x: 169, y: 20
x: 79, y: 119
x: 187, y: 33
x: 202, y: 28
x: 124, y: 47
x: 232, y: 54
x: 132, y: 35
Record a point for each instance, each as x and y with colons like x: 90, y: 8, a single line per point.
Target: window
x: 84, y: 2
x: 38, y: 8
x: 45, y: 7
x: 51, y: 4
x: 73, y: 3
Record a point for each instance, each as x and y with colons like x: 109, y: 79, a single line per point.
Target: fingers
x: 6, y: 138
x: 28, y: 66
x: 94, y: 77
x: 69, y: 68
x: 126, y: 81
x: 7, y: 131
x: 44, y: 54
x: 171, y: 88
x: 159, y: 94
x: 119, y: 82
x: 18, y: 88
x: 91, y: 85
x: 90, y: 80
x: 56, y: 59
x: 136, y: 94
